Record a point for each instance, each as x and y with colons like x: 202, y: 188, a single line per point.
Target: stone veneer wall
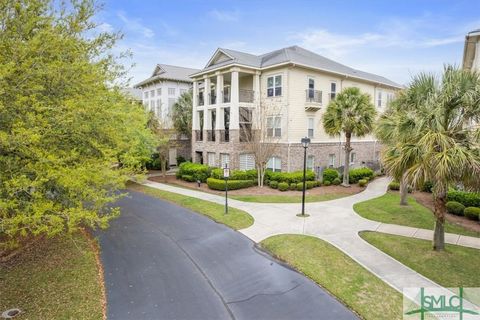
x: 365, y: 152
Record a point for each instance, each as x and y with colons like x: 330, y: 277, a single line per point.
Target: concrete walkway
x: 334, y: 221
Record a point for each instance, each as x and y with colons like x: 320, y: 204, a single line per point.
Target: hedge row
x: 289, y: 177
x: 235, y: 174
x: 330, y: 175
x: 196, y: 171
x: 468, y: 199
x: 218, y: 184
x: 360, y: 173
x: 284, y: 186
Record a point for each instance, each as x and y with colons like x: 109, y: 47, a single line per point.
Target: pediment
x: 218, y: 57
x: 158, y: 70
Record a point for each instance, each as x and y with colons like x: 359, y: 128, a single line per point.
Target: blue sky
x: 395, y: 39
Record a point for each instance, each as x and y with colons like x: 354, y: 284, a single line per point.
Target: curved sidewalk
x: 334, y: 221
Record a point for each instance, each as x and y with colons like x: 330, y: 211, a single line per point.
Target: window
x: 310, y: 162
x: 353, y: 157
x: 171, y: 91
x: 331, y: 160
x: 224, y: 160
x: 152, y: 93
x: 274, y: 86
x: 245, y: 123
x: 310, y: 127
x: 311, y: 88
x: 146, y: 94
x: 171, y: 102
x: 152, y: 105
x: 390, y: 98
x: 333, y: 90
x: 159, y: 107
x: 274, y: 127
x: 379, y: 99
x: 247, y: 161
x: 274, y: 164
x: 211, y: 159
x: 159, y: 91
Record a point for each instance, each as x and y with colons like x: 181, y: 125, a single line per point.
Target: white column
x: 206, y: 91
x: 234, y: 101
x: 256, y: 87
x: 219, y: 120
x: 195, y: 124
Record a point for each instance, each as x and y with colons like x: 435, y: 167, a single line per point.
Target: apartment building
x: 159, y: 93
x: 471, y: 51
x: 297, y: 85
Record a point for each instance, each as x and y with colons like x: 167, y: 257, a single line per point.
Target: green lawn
x: 388, y: 210
x: 54, y: 279
x: 355, y: 286
x: 455, y: 267
x: 235, y: 219
x: 289, y: 199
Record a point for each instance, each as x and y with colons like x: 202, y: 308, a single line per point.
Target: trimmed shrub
x: 217, y: 173
x: 455, y: 208
x: 293, y: 186
x: 394, y: 185
x: 362, y: 182
x: 427, y: 186
x: 273, y: 184
x: 153, y: 163
x: 330, y: 174
x: 359, y: 173
x: 300, y: 186
x: 283, y: 186
x: 217, y: 184
x: 289, y: 177
x: 468, y: 199
x: 196, y: 170
x: 326, y: 183
x: 180, y: 160
x: 310, y: 184
x: 336, y: 181
x: 188, y: 178
x: 472, y: 213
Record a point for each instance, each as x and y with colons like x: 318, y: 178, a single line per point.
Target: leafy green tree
x: 162, y: 136
x: 351, y: 113
x: 182, y: 114
x: 68, y: 138
x: 443, y: 146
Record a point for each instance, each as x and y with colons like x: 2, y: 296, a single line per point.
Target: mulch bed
x: 353, y: 189
x: 426, y: 199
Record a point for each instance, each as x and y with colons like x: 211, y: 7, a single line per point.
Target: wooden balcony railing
x: 314, y: 96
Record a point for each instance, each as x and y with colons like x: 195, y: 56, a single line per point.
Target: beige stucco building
x: 471, y: 51
x: 296, y: 85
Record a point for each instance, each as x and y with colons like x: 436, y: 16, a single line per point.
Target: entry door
x: 172, y: 156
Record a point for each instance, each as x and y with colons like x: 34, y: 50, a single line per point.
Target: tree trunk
x: 403, y: 191
x: 439, y: 212
x: 346, y: 168
x: 260, y: 175
x: 163, y: 166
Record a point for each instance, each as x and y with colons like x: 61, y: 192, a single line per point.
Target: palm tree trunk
x: 439, y: 212
x: 403, y: 191
x: 346, y: 168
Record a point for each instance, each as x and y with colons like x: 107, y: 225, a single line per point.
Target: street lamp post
x: 226, y: 175
x: 305, y: 143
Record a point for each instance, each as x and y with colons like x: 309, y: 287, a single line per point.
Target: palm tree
x: 443, y: 146
x: 181, y: 114
x: 350, y: 113
x: 395, y: 128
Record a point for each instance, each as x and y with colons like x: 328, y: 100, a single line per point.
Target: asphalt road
x: 162, y: 261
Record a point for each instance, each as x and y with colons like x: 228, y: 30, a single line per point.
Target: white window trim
x: 273, y: 127
x: 274, y: 87
x: 311, y: 156
x: 354, y: 156
x: 276, y: 164
x: 379, y: 98
x: 330, y: 164
x: 336, y: 89
x: 312, y: 128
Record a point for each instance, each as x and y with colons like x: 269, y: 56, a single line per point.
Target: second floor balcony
x: 313, y: 99
x: 245, y: 95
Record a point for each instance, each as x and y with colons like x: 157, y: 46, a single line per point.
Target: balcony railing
x: 210, y: 135
x: 245, y: 95
x: 201, y: 102
x: 226, y: 96
x: 314, y: 96
x: 224, y: 135
x: 198, y: 135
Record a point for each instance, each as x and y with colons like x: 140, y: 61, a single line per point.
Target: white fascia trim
x: 223, y: 67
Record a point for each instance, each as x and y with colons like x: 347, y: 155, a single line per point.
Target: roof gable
x: 218, y: 57
x: 158, y: 70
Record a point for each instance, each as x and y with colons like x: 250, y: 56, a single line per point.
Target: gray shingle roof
x: 301, y: 56
x: 169, y: 72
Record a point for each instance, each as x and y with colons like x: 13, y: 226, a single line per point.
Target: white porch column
x: 206, y: 91
x: 256, y: 87
x: 219, y: 120
x: 234, y: 101
x: 195, y: 124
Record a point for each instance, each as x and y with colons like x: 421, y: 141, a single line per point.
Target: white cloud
x: 105, y: 27
x: 224, y: 16
x: 135, y: 25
